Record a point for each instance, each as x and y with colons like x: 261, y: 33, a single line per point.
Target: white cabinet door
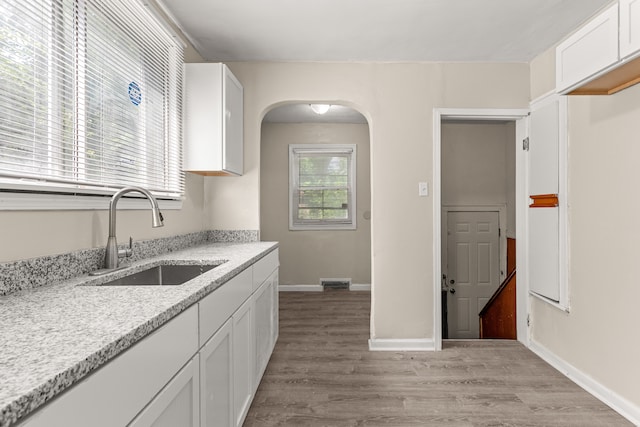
x: 547, y: 189
x: 262, y: 306
x: 629, y: 27
x: 177, y: 404
x: 232, y: 147
x: 275, y: 313
x: 213, y: 142
x: 591, y: 49
x: 216, y: 379
x: 544, y: 138
x: 243, y: 361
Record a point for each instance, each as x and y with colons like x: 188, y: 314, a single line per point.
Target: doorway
x: 312, y: 257
x: 444, y: 118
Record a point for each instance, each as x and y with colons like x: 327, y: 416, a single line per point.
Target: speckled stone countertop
x: 53, y: 336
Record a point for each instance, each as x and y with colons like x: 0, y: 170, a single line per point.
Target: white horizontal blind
x: 94, y: 98
x: 322, y: 185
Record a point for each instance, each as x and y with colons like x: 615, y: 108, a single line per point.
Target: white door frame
x: 515, y: 115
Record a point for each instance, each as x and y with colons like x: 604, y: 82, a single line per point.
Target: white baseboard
x: 360, y: 287
x: 389, y: 344
x: 618, y: 403
x: 300, y: 288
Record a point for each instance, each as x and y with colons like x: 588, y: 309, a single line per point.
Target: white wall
x: 398, y: 101
x: 308, y: 256
x: 599, y: 336
x: 478, y: 166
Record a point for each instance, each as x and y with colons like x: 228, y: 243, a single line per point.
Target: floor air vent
x: 330, y: 284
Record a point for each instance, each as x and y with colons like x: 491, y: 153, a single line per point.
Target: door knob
x: 453, y: 291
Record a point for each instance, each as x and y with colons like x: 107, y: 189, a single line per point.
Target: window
x: 91, y: 98
x: 322, y: 187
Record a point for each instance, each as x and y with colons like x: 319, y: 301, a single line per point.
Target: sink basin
x: 162, y: 275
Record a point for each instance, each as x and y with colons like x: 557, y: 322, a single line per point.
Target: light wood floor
x: 322, y: 374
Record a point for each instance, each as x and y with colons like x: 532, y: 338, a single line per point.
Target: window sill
x: 323, y: 227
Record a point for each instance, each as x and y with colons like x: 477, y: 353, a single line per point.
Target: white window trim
x: 329, y: 148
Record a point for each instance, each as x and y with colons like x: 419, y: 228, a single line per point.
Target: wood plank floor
x: 322, y: 374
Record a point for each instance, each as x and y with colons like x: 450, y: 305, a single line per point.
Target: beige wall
x: 478, y: 166
x: 307, y: 256
x: 398, y: 101
x: 599, y: 334
x: 29, y: 234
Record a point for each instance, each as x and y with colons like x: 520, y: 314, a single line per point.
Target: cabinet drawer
x: 114, y: 394
x: 264, y: 267
x: 590, y: 50
x: 218, y: 306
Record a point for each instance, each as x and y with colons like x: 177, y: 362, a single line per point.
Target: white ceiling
x: 377, y: 30
x: 374, y: 31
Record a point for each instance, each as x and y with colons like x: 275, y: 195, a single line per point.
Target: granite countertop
x: 53, y: 336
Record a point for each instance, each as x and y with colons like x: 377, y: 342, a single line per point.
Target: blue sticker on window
x: 135, y: 94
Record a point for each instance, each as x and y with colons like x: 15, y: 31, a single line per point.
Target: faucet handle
x: 127, y: 252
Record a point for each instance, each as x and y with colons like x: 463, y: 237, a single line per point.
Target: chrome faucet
x: 112, y: 253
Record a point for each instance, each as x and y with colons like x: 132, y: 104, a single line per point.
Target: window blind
x: 91, y: 98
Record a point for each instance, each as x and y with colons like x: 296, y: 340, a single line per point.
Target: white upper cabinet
x: 629, y: 27
x: 213, y: 143
x: 588, y: 51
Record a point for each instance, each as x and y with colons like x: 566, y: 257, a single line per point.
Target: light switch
x: 423, y: 189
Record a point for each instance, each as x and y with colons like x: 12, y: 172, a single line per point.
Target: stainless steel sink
x: 162, y: 275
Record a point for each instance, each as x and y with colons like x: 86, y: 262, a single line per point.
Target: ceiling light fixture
x: 320, y: 108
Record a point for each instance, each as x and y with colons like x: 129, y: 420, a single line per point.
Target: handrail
x: 497, y: 292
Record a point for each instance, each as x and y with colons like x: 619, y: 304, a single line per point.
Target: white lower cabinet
x: 201, y: 369
x: 243, y: 361
x: 216, y: 379
x: 233, y: 360
x: 119, y: 390
x: 177, y: 404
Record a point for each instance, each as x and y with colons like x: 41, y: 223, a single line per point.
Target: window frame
x: 29, y: 193
x: 328, y: 149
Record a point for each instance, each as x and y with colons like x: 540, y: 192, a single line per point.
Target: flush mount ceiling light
x: 320, y: 108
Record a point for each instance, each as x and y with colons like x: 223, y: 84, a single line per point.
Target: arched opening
x: 313, y: 256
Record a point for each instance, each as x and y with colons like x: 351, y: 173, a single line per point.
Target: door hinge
x: 499, y: 232
x: 528, y: 320
x: 525, y: 144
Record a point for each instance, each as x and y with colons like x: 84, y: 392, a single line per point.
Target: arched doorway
x: 325, y: 255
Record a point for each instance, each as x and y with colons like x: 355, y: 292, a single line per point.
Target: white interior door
x: 473, y: 270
